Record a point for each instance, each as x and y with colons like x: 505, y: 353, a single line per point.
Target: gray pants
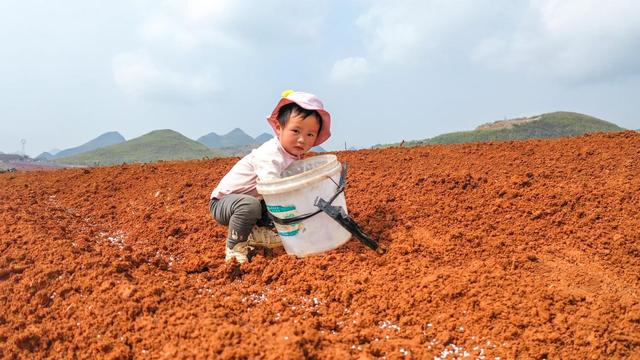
x: 240, y: 212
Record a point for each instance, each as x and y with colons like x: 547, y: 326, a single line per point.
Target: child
x: 300, y: 122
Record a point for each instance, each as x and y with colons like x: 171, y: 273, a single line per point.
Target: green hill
x: 550, y: 125
x: 154, y: 146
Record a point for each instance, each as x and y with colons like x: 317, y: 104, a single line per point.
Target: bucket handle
x: 340, y: 188
x: 337, y: 213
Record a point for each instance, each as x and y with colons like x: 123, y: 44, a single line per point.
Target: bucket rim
x: 301, y: 180
x: 303, y: 174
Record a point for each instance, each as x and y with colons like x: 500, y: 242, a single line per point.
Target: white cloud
x: 402, y: 30
x: 391, y: 32
x: 189, y: 25
x: 410, y: 32
x: 350, y: 70
x: 183, y: 42
x: 139, y: 76
x: 167, y: 33
x: 575, y: 40
x: 163, y: 29
x: 207, y: 11
x: 572, y: 40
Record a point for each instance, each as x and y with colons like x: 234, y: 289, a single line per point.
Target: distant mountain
x: 237, y: 142
x: 233, y: 138
x: 262, y: 138
x: 13, y: 157
x: 154, y: 146
x: 210, y: 140
x: 242, y: 150
x: 106, y: 139
x: 238, y: 137
x: 550, y: 125
x: 46, y: 156
x: 238, y: 150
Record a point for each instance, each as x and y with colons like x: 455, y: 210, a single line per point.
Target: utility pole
x: 23, y: 141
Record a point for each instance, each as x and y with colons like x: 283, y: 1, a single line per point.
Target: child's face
x: 299, y: 134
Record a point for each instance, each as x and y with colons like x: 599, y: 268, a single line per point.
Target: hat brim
x: 325, y: 131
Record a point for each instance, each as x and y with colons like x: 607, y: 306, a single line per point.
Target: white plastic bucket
x: 294, y: 194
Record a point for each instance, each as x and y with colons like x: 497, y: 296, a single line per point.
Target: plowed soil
x: 512, y: 249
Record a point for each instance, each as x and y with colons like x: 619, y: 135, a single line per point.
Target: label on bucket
x: 280, y: 208
x: 285, y: 212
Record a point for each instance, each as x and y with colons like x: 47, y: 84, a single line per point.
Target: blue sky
x: 386, y: 70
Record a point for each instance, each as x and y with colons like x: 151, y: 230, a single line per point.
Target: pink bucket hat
x: 306, y: 101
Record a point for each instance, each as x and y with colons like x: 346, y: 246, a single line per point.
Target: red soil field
x: 508, y: 249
